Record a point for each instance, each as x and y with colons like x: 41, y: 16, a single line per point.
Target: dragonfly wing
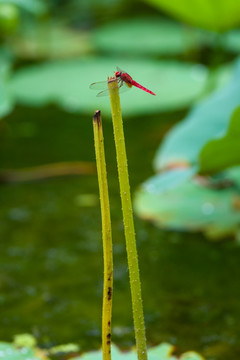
x: 121, y: 70
x: 103, y: 93
x: 124, y: 88
x: 100, y: 85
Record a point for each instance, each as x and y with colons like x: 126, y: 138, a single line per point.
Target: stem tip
x: 97, y: 117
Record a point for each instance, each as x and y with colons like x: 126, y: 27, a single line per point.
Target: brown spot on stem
x: 110, y: 276
x: 109, y: 293
x: 109, y: 323
x: 109, y: 336
x: 108, y: 342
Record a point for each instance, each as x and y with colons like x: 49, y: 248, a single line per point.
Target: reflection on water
x: 51, y: 251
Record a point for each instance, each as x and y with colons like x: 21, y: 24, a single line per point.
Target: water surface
x: 51, y: 251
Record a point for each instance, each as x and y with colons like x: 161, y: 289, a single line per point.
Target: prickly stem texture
x: 106, y: 235
x: 128, y: 221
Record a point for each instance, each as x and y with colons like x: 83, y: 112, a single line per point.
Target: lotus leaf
x: 196, y: 204
x: 207, y: 120
x: 66, y: 83
x: 222, y: 152
x: 209, y: 14
x: 159, y: 36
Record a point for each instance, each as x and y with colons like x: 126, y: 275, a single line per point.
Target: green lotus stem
x: 106, y: 235
x: 128, y: 220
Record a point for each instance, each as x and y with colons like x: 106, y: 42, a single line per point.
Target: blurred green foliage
x: 209, y: 14
x: 205, y: 121
x: 223, y: 151
x: 6, y: 101
x: 10, y: 352
x: 51, y: 51
x: 36, y: 7
x: 176, y: 198
x: 48, y: 40
x: 9, y: 18
x: 75, y: 43
x: 231, y: 41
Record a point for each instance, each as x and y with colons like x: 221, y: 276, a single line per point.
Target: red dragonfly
x: 124, y: 81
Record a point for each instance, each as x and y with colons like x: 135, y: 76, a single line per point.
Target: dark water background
x: 51, y: 251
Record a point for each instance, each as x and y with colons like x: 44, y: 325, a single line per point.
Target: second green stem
x: 128, y: 222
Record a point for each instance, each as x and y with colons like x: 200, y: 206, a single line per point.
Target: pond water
x: 51, y: 251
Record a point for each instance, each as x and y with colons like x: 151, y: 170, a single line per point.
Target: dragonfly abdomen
x: 134, y: 83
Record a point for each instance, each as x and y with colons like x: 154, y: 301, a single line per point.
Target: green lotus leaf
x: 190, y: 355
x: 231, y: 40
x: 66, y: 83
x: 168, y: 179
x: 221, y: 153
x: 65, y: 348
x: 209, y: 14
x: 161, y: 352
x: 147, y: 36
x: 10, y: 352
x: 24, y: 340
x: 196, y: 204
x: 207, y: 120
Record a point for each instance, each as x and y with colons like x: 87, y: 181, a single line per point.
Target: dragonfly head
x: 118, y: 73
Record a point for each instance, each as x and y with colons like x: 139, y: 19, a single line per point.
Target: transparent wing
x: 121, y: 70
x: 103, y: 93
x: 100, y: 85
x: 122, y: 88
